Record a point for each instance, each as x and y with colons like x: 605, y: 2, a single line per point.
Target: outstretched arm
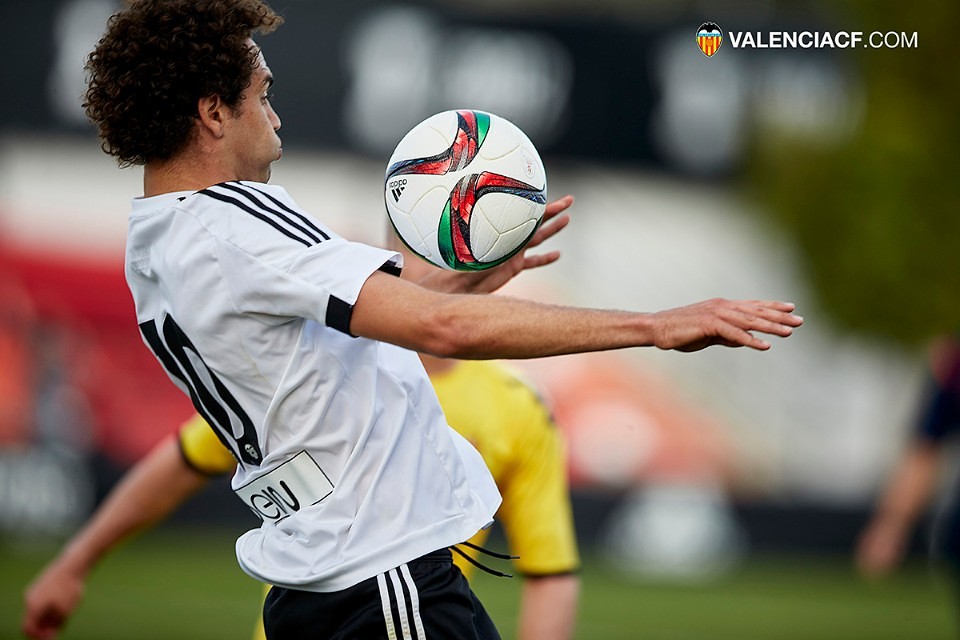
x: 437, y: 316
x: 148, y: 493
x: 488, y: 327
x: 882, y: 543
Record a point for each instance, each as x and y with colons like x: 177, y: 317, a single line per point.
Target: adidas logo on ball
x: 396, y: 188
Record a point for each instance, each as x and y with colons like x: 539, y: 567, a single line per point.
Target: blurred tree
x: 878, y: 215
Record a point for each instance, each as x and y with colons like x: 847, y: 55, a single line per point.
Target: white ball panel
x: 507, y: 242
x: 429, y: 138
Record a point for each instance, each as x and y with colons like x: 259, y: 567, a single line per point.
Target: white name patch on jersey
x: 297, y: 483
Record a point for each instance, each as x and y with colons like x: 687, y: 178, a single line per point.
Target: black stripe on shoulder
x: 390, y: 267
x: 306, y: 220
x: 339, y: 314
x: 307, y: 227
x: 256, y: 214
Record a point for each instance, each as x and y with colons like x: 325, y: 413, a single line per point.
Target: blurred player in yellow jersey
x: 483, y: 400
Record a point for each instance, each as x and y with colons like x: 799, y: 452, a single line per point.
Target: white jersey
x: 343, y: 449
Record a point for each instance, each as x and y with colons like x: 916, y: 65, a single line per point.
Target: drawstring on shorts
x: 480, y: 566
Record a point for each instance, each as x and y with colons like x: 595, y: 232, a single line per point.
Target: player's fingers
x: 29, y: 624
x: 782, y: 319
x: 540, y: 259
x: 726, y: 325
x: 763, y: 316
x: 774, y: 310
x: 755, y: 321
x: 776, y: 326
x: 557, y: 206
x: 548, y: 230
x: 37, y: 629
x: 727, y: 335
x: 779, y: 305
x: 740, y: 338
x: 736, y: 332
x: 43, y: 619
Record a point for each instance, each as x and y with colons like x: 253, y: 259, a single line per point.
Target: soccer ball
x: 465, y: 190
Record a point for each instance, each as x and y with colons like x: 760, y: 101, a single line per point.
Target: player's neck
x: 183, y: 174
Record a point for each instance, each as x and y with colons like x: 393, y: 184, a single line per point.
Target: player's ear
x: 212, y: 113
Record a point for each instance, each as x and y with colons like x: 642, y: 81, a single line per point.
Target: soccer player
x: 914, y: 478
x: 484, y: 401
x: 298, y: 346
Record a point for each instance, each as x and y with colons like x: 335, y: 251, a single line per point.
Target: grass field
x: 185, y: 585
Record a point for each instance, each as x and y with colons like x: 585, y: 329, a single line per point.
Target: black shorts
x: 425, y: 599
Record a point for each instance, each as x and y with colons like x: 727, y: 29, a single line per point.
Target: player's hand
x: 553, y: 222
x: 551, y: 225
x: 49, y: 601
x: 880, y: 548
x: 723, y: 322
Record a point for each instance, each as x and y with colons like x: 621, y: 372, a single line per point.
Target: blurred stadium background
x: 728, y: 483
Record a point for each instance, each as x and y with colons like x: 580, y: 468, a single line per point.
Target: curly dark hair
x: 157, y: 59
